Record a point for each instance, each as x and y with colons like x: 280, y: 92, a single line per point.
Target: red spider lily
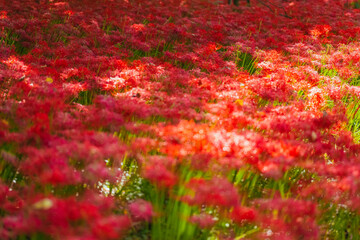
x: 141, y: 210
x: 243, y: 214
x: 214, y: 192
x: 160, y: 175
x: 203, y: 220
x: 110, y: 227
x: 101, y: 94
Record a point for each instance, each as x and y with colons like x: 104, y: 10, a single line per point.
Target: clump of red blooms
x: 141, y: 210
x: 73, y: 73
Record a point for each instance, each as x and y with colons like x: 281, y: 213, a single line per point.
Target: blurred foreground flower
x: 203, y: 220
x: 141, y: 210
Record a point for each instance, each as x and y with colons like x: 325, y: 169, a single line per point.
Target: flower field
x: 179, y: 120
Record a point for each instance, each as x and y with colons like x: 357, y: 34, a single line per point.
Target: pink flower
x: 270, y: 169
x: 242, y: 214
x: 141, y: 210
x: 214, y: 192
x: 110, y: 227
x: 159, y: 175
x: 203, y: 220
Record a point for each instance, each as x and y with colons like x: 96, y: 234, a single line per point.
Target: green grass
x: 13, y: 39
x: 340, y: 222
x: 173, y: 214
x: 352, y: 112
x: 158, y: 51
x: 353, y: 115
x: 36, y: 236
x: 171, y: 219
x: 245, y: 61
x: 254, y: 185
x: 329, y: 72
x: 355, y: 4
x: 87, y: 97
x: 262, y: 102
x: 8, y: 172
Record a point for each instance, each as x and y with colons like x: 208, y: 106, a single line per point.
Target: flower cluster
x: 179, y: 119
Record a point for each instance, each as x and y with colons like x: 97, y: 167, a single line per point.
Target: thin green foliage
x: 353, y: 115
x: 172, y: 220
x: 345, y: 225
x: 158, y: 51
x: 255, y: 185
x: 10, y: 38
x: 87, y: 97
x: 329, y: 72
x: 245, y: 61
x: 8, y: 172
x: 352, y: 112
x: 355, y: 4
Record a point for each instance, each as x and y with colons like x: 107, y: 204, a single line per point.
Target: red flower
x: 203, y: 220
x: 141, y: 210
x: 160, y: 176
x: 214, y: 192
x: 242, y: 214
x: 110, y: 227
